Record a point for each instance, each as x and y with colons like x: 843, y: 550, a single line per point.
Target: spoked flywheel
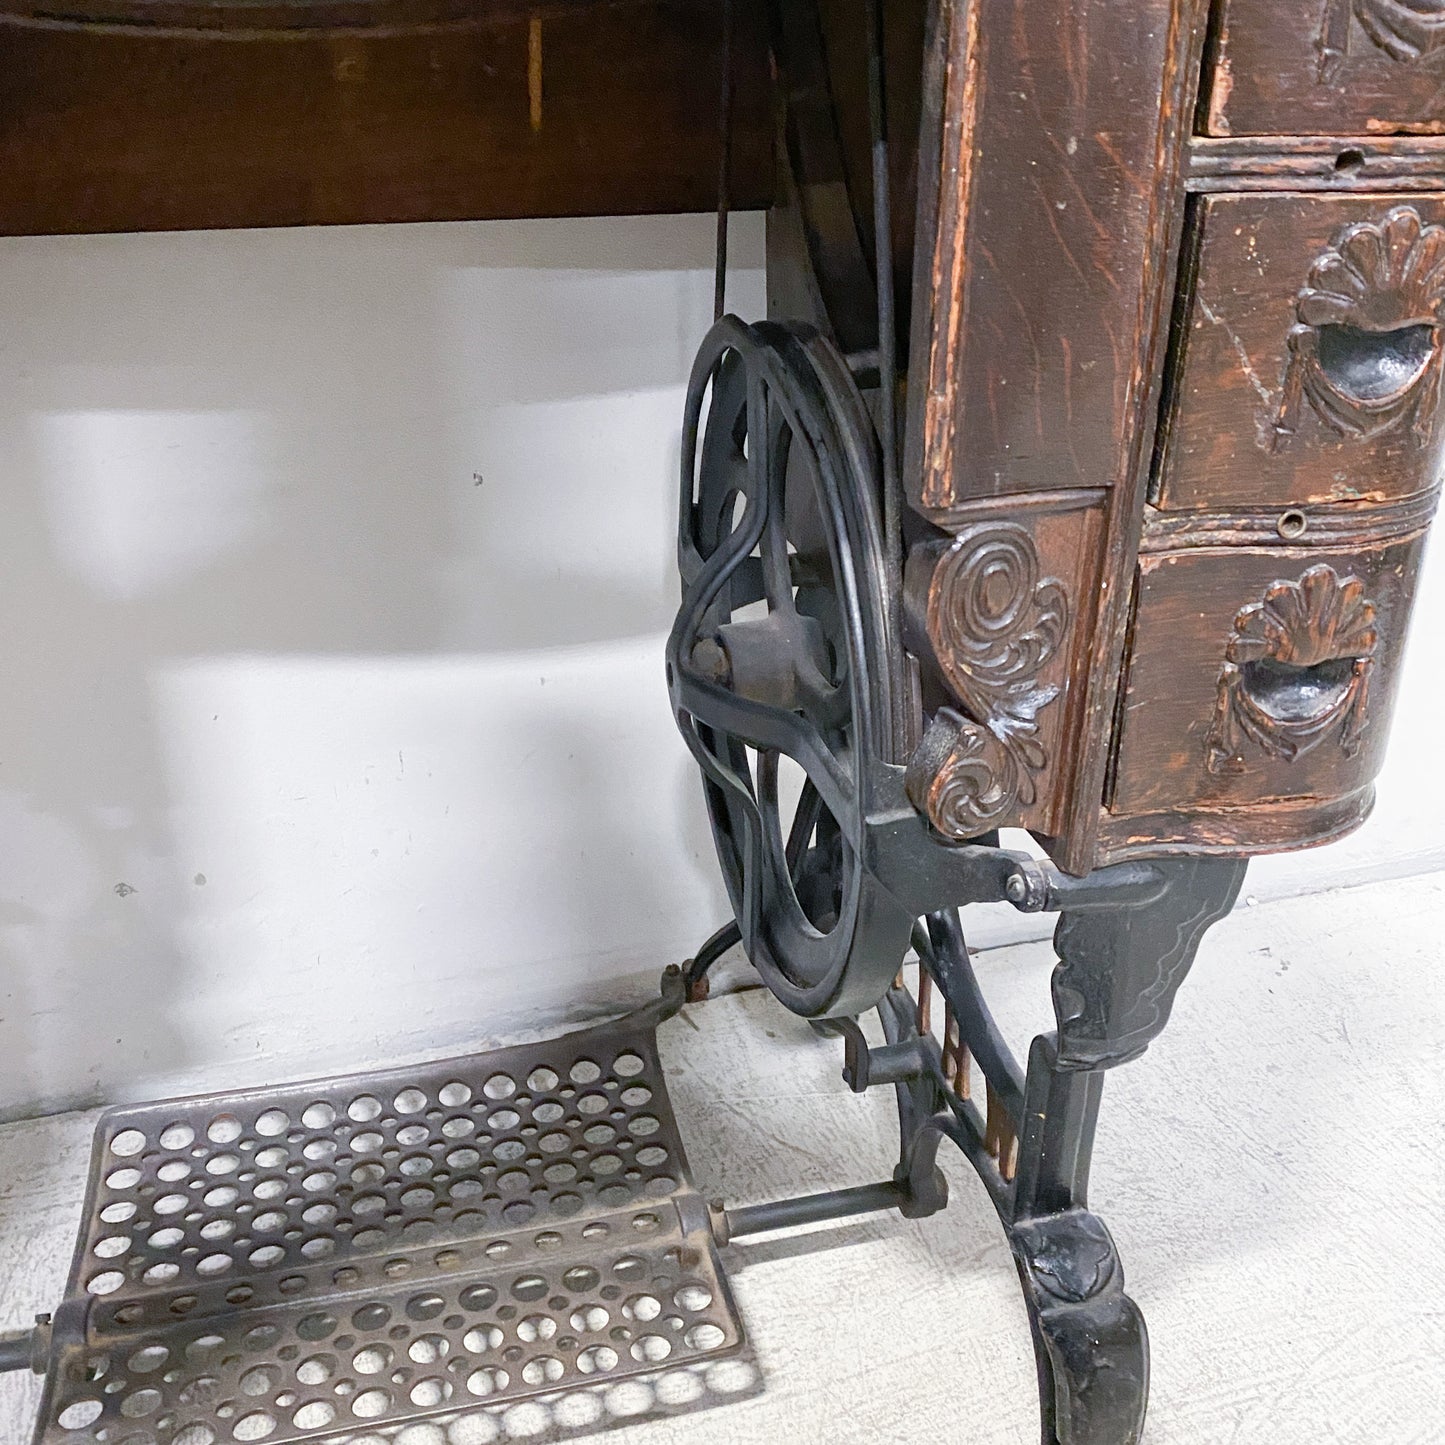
x: 778, y: 663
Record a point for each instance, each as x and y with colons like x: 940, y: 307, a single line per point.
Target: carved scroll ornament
x: 1297, y: 668
x: 1405, y: 30
x: 1365, y: 350
x: 994, y: 625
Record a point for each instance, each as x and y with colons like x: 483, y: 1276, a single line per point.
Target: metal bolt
x: 709, y: 658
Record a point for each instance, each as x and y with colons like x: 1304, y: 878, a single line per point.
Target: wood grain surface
x: 1255, y: 253
x: 592, y: 110
x: 973, y: 609
x: 1313, y: 67
x: 1186, y: 608
x: 1050, y: 191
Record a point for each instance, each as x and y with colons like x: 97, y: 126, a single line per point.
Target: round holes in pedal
x: 128, y: 1143
x: 651, y: 1349
x: 331, y: 1190
x: 597, y: 1359
x: 487, y: 1382
x: 80, y: 1415
x: 704, y: 1337
x: 544, y: 1370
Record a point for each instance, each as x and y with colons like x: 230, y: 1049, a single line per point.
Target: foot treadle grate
x: 337, y: 1260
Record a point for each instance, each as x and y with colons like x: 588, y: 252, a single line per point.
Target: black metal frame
x: 1125, y: 940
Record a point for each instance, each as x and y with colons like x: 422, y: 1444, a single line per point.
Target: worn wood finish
x: 843, y: 24
x: 1340, y: 524
x: 1050, y: 201
x: 247, y: 18
x: 1323, y: 630
x: 1326, y: 67
x: 1293, y: 385
x: 1041, y: 304
x: 1005, y: 610
x: 1339, y: 163
x: 1286, y: 825
x: 592, y: 110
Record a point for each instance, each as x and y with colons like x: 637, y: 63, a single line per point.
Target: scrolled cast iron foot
x: 1125, y: 941
x: 1090, y: 1342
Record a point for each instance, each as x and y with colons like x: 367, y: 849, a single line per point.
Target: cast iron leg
x: 1119, y: 968
x: 1126, y: 938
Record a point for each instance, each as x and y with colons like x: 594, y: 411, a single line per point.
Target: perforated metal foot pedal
x: 338, y: 1260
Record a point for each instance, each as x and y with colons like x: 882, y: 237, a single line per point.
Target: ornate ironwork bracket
x: 1125, y: 940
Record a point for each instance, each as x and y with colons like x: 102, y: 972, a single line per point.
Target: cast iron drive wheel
x: 778, y: 663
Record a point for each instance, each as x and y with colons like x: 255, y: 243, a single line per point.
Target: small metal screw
x: 1016, y: 890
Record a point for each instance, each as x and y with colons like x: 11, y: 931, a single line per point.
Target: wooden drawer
x: 1327, y: 67
x: 1260, y: 675
x: 1307, y: 366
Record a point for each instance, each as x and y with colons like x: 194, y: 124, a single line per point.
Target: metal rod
x: 696, y: 969
x: 883, y: 272
x: 814, y: 1208
x: 887, y: 359
x: 724, y: 166
x: 17, y: 1350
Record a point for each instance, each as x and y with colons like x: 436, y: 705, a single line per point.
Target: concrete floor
x: 1273, y: 1171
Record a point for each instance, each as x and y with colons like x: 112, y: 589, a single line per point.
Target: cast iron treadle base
x: 334, y: 1260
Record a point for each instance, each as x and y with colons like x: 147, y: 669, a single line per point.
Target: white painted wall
x: 335, y: 567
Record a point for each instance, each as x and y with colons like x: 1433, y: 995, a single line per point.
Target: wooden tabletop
x: 134, y: 115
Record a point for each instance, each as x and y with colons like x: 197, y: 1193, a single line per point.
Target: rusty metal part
x: 305, y: 1263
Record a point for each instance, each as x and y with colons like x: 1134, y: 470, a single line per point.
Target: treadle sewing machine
x: 1076, y: 481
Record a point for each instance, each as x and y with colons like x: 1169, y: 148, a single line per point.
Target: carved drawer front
x: 1260, y: 674
x: 1327, y: 67
x: 1308, y: 365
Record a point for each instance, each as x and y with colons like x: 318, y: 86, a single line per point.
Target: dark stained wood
x: 821, y: 263
x: 254, y: 17
x: 1339, y: 524
x: 1053, y: 188
x: 1189, y: 607
x: 126, y: 131
x: 1313, y: 67
x: 1057, y: 291
x: 1339, y: 163
x: 843, y: 24
x: 1051, y: 184
x: 819, y: 270
x: 1285, y: 826
x: 1240, y: 431
x: 1006, y: 610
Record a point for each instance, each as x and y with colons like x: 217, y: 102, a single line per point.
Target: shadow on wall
x: 336, y: 566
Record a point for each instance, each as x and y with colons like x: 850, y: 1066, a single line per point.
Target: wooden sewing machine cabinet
x: 1076, y: 482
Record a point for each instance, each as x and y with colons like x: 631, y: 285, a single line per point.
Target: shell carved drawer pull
x: 1365, y: 349
x: 1405, y: 30
x: 1297, y: 668
x: 994, y: 625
